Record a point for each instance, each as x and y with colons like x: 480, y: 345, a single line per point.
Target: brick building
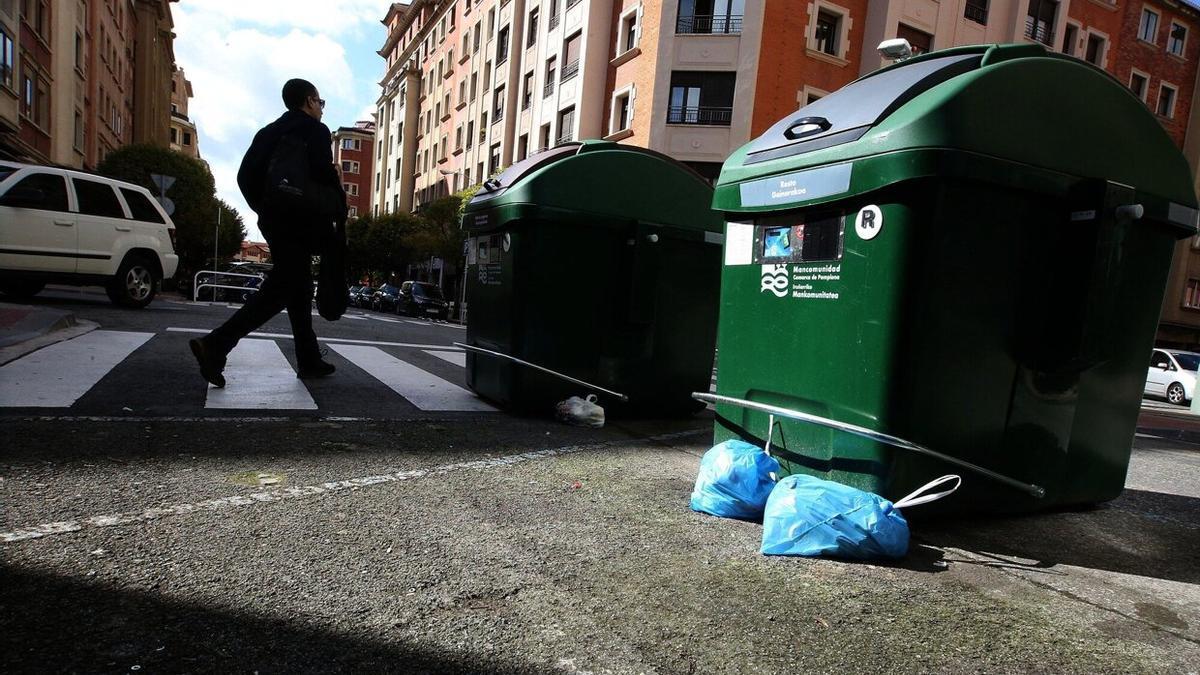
x: 80, y: 78
x: 184, y: 137
x: 352, y: 151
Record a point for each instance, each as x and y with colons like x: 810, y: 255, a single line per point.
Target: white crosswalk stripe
x: 258, y: 377
x: 457, y: 358
x: 424, y: 390
x: 57, y: 376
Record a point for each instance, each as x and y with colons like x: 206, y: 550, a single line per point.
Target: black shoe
x: 318, y: 368
x: 211, y: 363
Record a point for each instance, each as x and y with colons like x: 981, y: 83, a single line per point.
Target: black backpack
x: 288, y: 188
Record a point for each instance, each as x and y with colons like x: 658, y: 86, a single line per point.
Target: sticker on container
x: 739, y: 244
x: 775, y: 280
x: 869, y: 222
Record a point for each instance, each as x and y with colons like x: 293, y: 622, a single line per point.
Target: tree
x: 380, y: 247
x: 194, y: 196
x: 439, y: 233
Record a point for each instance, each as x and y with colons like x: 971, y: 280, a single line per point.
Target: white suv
x: 77, y: 228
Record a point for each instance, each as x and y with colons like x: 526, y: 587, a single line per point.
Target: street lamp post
x: 216, y: 237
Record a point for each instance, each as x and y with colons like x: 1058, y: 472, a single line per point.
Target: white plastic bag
x: 581, y: 412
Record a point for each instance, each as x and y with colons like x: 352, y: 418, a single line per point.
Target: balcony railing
x: 710, y: 115
x: 553, y: 23
x: 566, y: 138
x: 976, y: 13
x: 526, y: 102
x: 569, y: 70
x: 548, y: 89
x: 703, y: 24
x: 1038, y: 30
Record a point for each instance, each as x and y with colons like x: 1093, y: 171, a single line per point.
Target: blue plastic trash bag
x: 734, y: 481
x: 808, y: 516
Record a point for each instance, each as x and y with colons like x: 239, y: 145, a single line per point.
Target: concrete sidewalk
x: 26, y: 328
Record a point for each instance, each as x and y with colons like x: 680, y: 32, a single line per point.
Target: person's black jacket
x: 252, y: 174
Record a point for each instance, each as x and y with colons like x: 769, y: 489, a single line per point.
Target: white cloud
x: 327, y: 16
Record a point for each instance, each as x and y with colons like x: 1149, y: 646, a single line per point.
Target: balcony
x: 705, y: 115
x: 548, y: 89
x: 553, y: 23
x: 569, y: 70
x: 1038, y: 30
x: 976, y: 13
x: 566, y: 138
x: 700, y: 24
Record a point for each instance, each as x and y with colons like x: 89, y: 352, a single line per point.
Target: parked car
x: 363, y: 297
x: 418, y: 298
x: 353, y: 290
x: 1172, y: 374
x: 385, y: 298
x: 77, y: 228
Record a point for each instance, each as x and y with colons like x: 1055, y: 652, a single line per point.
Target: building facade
x: 183, y: 135
x: 353, y: 152
x: 80, y: 78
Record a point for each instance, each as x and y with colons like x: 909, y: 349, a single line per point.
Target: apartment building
x: 76, y: 76
x: 353, y: 152
x: 184, y: 137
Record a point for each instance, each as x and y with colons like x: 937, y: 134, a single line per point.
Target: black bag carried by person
x: 288, y: 188
x: 333, y: 294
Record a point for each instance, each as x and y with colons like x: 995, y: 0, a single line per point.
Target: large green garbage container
x: 966, y: 250
x: 596, y: 261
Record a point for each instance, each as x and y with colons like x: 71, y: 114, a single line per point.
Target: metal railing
x: 572, y: 3
x: 196, y: 285
x: 710, y: 115
x: 548, y: 89
x: 566, y: 138
x: 704, y: 24
x: 552, y: 23
x: 569, y: 70
x: 1038, y: 30
x: 976, y: 13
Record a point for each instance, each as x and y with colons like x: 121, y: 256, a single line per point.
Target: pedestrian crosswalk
x: 113, y: 372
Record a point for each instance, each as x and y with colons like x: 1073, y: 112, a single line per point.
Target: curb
x: 1181, y: 435
x: 56, y: 332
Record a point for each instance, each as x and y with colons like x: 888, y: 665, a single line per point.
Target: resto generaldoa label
x: 798, y: 186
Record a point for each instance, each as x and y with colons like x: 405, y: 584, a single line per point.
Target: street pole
x: 216, y: 235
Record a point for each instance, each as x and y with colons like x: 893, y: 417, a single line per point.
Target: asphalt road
x: 377, y: 536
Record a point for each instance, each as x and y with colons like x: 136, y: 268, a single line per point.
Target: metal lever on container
x: 807, y: 126
x: 1127, y: 213
x: 1035, y: 490
x: 500, y: 355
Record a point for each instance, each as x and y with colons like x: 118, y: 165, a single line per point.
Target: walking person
x: 289, y: 180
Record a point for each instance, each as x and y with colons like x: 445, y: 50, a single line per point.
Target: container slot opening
x: 798, y: 238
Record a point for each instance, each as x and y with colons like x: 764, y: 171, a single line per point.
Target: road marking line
x: 284, y: 336
x: 260, y: 378
x: 289, y: 493
x: 457, y: 358
x: 383, y: 319
x: 58, y: 375
x: 424, y: 390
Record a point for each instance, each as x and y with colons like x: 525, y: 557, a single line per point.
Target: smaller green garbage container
x: 598, y: 263
x: 966, y: 251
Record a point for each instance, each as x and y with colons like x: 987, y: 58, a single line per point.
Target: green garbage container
x: 967, y: 251
x: 598, y: 262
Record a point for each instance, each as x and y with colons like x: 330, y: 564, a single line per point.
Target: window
x: 1070, y: 39
x: 352, y: 212
x: 6, y: 59
x: 1139, y: 85
x: 494, y: 159
x: 52, y: 187
x: 977, y: 11
x: 475, y: 40
x: 466, y: 46
x: 79, y: 54
x: 445, y: 146
x: 622, y: 110
x: 351, y: 189
x: 571, y: 57
x: 522, y: 147
x: 474, y: 84
x: 351, y: 144
x: 1039, y: 22
x: 174, y: 135
x: 1166, y: 101
x: 140, y: 206
x: 827, y: 32
x: 458, y: 138
x: 920, y: 41
x: 491, y: 23
x: 470, y: 133
x: 35, y: 98
x: 502, y: 46
x: 487, y: 75
x: 1177, y: 39
x: 709, y: 16
x: 1191, y: 299
x: 483, y: 126
x: 1148, y: 28
x: 79, y: 131
x: 629, y: 31
x: 531, y: 38
x: 97, y: 199
x: 551, y: 70
x: 527, y: 91
x: 187, y: 135
x: 1094, y: 54
x: 701, y: 98
x: 350, y: 166
x: 566, y: 125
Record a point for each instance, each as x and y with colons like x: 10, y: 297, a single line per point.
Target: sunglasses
x: 320, y: 101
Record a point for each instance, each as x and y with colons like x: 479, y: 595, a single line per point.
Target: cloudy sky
x: 238, y: 54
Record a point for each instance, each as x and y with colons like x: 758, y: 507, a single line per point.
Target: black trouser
x: 289, y: 284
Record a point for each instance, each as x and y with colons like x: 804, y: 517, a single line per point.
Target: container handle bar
x: 620, y: 397
x: 1030, y: 488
